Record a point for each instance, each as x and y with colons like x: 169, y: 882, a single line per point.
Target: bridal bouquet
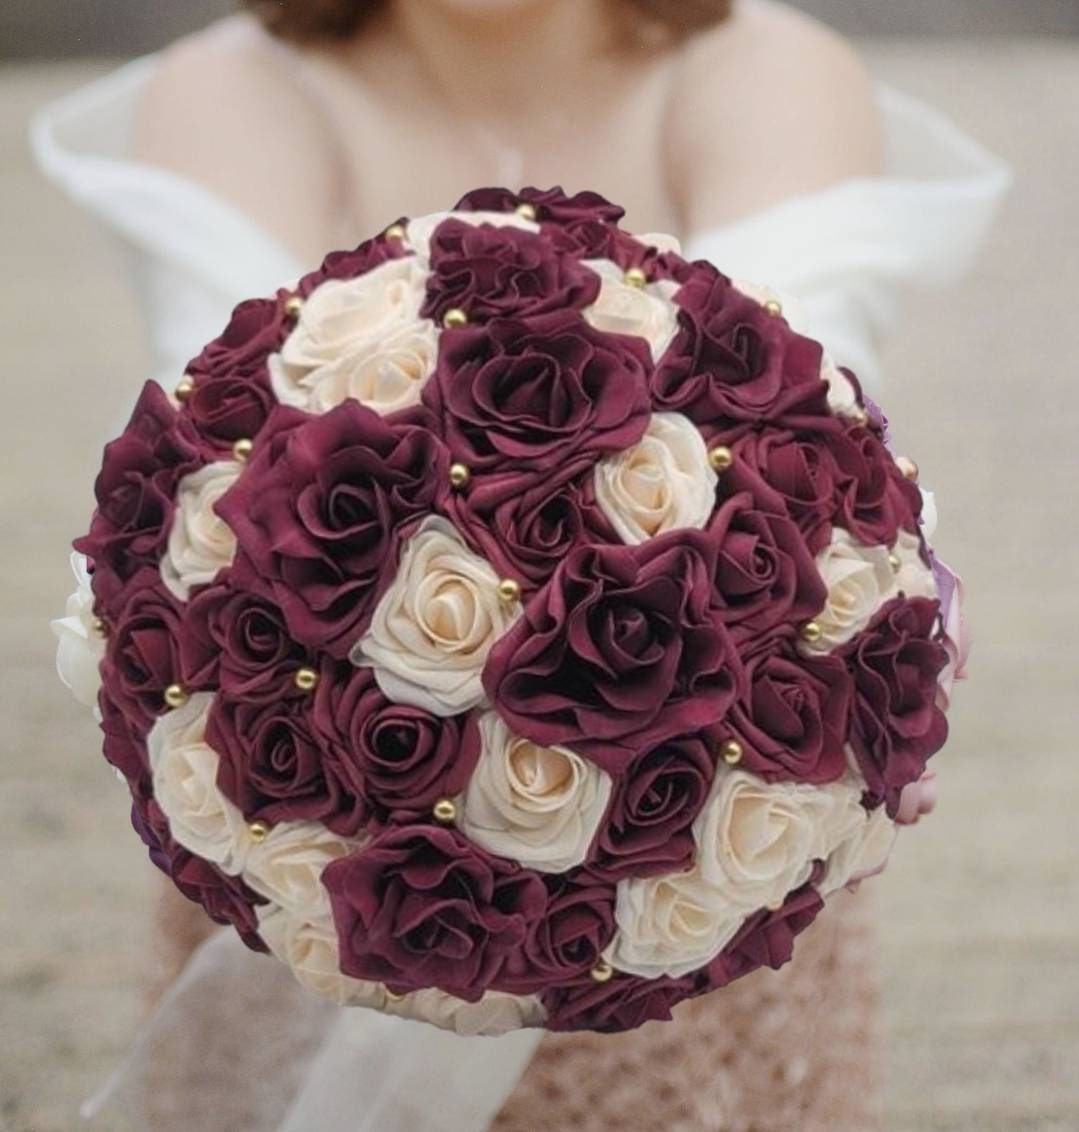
x: 513, y: 624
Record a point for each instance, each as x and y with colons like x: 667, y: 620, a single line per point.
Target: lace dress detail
x: 774, y: 1052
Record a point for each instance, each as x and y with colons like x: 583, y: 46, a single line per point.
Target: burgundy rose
x: 238, y: 641
x: 142, y: 652
x: 766, y: 939
x: 276, y: 767
x: 793, y: 717
x: 624, y: 1002
x: 406, y: 757
x: 570, y: 938
x: 419, y: 906
x: 732, y: 361
x: 896, y: 724
x: 232, y: 398
x: 123, y: 746
x: 320, y: 512
x: 788, y: 473
x: 525, y: 528
x: 134, y: 491
x: 550, y: 204
x: 765, y: 575
x: 227, y: 899
x: 150, y: 823
x: 648, y: 828
x: 350, y: 264
x: 494, y: 272
x: 621, y: 650
x: 529, y: 396
x: 873, y: 499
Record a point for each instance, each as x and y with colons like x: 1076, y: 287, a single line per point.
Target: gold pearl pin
x: 293, y: 306
x: 635, y: 277
x: 445, y: 811
x: 731, y: 752
x: 184, y: 389
x: 602, y: 972
x: 812, y: 633
x: 175, y: 696
x: 100, y: 629
x: 305, y: 679
x: 895, y: 562
x: 859, y: 417
x: 258, y: 831
x: 396, y: 232
x: 774, y: 308
x: 721, y: 458
x: 908, y: 468
x: 509, y: 590
x: 460, y: 474
x: 526, y: 211
x: 243, y: 448
x: 454, y: 319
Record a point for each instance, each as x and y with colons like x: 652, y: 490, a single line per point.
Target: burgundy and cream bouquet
x: 513, y: 624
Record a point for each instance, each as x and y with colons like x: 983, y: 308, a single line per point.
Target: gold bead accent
x: 185, y: 387
x: 396, y: 232
x: 293, y: 306
x: 445, y: 811
x: 895, y: 562
x: 635, y: 277
x: 305, y: 679
x: 509, y: 590
x: 526, y: 211
x: 908, y: 468
x: 460, y: 474
x: 243, y: 448
x: 812, y: 633
x: 454, y: 319
x: 602, y: 972
x: 774, y: 308
x: 859, y: 417
x: 100, y: 629
x: 721, y: 458
x: 258, y: 831
x: 731, y: 752
x: 175, y: 696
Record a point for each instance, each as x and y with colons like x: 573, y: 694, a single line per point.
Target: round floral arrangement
x: 513, y: 624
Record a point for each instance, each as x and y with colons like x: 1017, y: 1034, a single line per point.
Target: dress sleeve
x: 192, y: 255
x: 846, y: 255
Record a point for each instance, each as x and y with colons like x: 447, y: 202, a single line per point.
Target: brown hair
x: 307, y: 20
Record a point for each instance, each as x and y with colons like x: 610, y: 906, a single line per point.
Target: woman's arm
x: 769, y: 105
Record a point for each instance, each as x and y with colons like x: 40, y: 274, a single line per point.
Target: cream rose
x: 913, y: 578
x: 418, y: 232
x: 662, y: 241
x: 540, y: 806
x: 310, y: 949
x: 81, y: 646
x: 647, y: 312
x: 495, y: 1013
x: 842, y: 398
x: 433, y: 628
x: 286, y: 866
x: 671, y: 925
x: 862, y: 853
x: 200, y: 542
x: 361, y: 338
x: 184, y: 769
x: 660, y: 484
x: 860, y: 579
x: 757, y: 841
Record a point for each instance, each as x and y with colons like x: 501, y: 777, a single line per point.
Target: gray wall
x: 57, y: 28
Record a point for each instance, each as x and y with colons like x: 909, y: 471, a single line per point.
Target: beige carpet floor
x: 981, y: 907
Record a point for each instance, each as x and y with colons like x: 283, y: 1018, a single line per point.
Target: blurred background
x: 980, y: 907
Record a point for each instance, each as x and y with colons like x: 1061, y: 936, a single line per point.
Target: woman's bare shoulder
x: 228, y: 109
x: 768, y: 105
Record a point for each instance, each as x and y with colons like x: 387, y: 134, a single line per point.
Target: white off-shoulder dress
x: 236, y: 1045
